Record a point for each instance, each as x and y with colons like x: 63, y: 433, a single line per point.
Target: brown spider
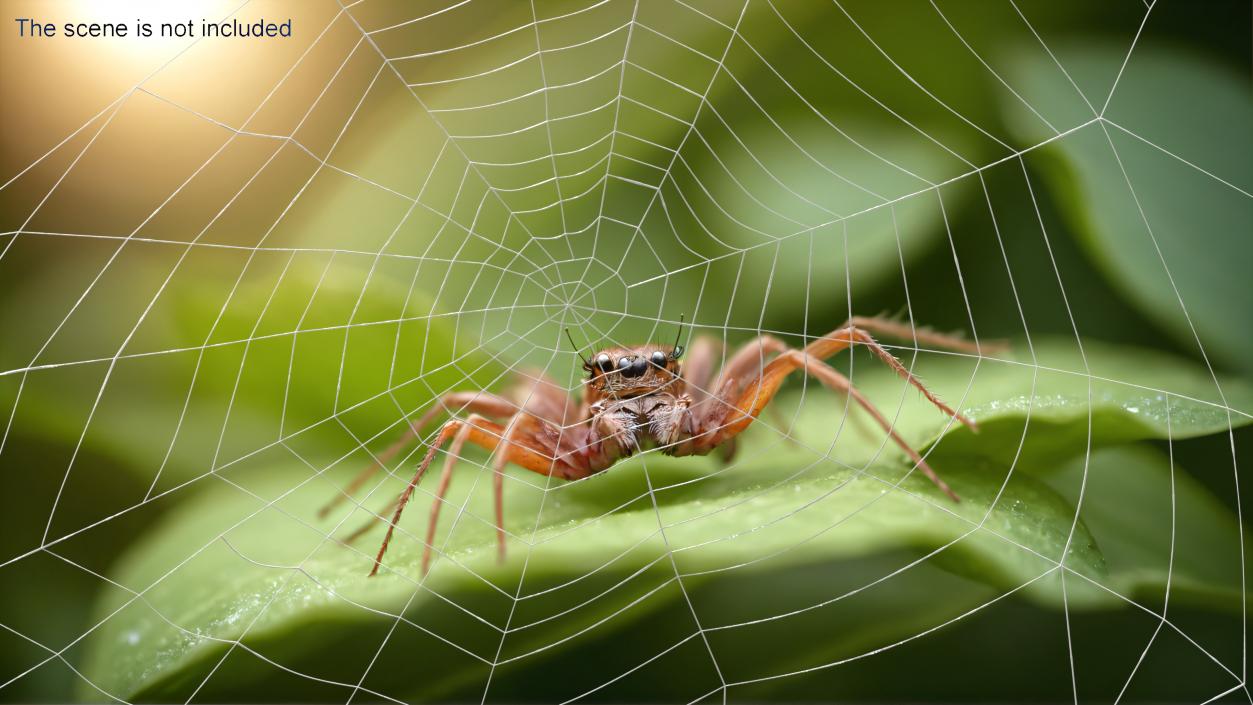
x: 638, y: 398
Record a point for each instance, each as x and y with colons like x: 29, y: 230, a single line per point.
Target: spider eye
x: 624, y: 364
x: 677, y: 352
x: 638, y: 367
x: 658, y: 358
x: 604, y: 363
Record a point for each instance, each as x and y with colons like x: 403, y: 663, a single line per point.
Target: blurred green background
x: 256, y: 259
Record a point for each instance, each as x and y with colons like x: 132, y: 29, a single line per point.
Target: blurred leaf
x: 801, y: 247
x: 1168, y: 235
x: 283, y: 357
x: 807, y: 136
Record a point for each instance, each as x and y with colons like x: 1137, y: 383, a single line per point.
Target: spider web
x: 418, y: 201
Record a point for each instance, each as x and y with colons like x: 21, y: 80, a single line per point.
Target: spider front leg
x: 742, y: 367
x: 725, y: 422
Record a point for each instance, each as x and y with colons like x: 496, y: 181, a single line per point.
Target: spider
x: 638, y: 398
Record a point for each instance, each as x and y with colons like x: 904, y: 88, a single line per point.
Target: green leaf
x: 1171, y: 236
x: 244, y: 585
x: 284, y: 356
x: 223, y: 566
x: 1156, y: 525
x: 1033, y: 403
x: 820, y: 255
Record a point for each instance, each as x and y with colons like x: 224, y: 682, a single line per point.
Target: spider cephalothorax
x: 620, y: 373
x: 639, y: 397
x: 629, y: 372
x: 635, y: 400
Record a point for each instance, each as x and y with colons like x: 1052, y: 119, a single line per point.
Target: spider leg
x: 905, y: 331
x: 445, y: 479
x: 741, y: 367
x: 835, y: 381
x: 736, y: 414
x: 750, y: 357
x: 699, y: 368
x: 498, y: 479
x: 745, y: 362
x: 477, y: 402
x: 850, y: 335
x: 369, y: 523
x: 546, y: 407
x: 540, y: 396
x: 529, y: 452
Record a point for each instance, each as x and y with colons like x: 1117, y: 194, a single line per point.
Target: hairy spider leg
x: 522, y: 452
x: 839, y: 383
x: 750, y: 357
x: 475, y: 402
x: 732, y: 418
x: 905, y: 331
x: 445, y: 479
